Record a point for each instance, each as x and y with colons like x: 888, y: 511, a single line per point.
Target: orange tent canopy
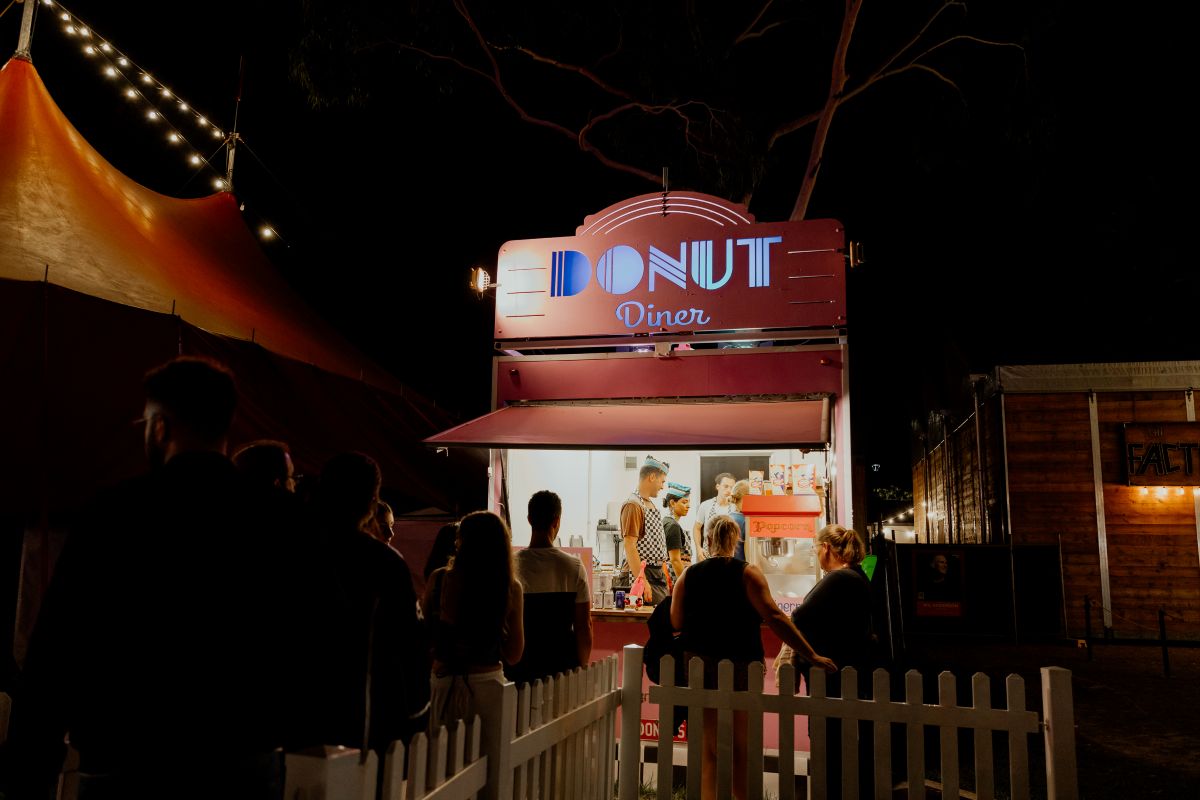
x: 71, y: 218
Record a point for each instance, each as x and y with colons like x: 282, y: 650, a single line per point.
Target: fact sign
x: 686, y: 263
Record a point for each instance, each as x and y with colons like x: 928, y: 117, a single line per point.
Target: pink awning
x: 679, y: 425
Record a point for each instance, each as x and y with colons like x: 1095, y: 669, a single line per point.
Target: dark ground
x: 1137, y: 732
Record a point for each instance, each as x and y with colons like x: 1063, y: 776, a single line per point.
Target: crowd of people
x: 212, y: 615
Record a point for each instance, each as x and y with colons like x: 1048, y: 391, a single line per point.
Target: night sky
x: 1036, y: 216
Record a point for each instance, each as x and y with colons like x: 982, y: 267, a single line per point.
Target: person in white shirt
x: 558, y: 600
x: 710, y: 508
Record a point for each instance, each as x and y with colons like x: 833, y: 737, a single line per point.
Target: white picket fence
x: 882, y: 711
x: 550, y: 739
x: 556, y: 739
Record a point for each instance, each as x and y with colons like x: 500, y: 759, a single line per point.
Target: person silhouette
x: 162, y: 618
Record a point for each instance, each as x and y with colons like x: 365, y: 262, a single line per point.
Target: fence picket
x: 882, y: 732
x: 916, y: 738
x: 1018, y: 743
x: 474, y: 744
x: 437, y: 761
x: 816, y: 738
x: 418, y: 755
x: 696, y: 732
x: 561, y: 707
x: 787, y: 736
x: 575, y: 749
x: 1062, y: 781
x: 631, y: 702
x: 393, y: 772
x: 981, y: 698
x: 521, y: 772
x: 754, y: 732
x: 458, y: 741
x: 948, y: 696
x: 541, y: 777
x: 849, y: 742
x: 666, y: 721
x: 724, y: 728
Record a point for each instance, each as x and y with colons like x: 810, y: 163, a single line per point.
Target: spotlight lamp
x: 481, y: 281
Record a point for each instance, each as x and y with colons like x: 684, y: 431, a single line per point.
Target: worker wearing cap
x: 679, y: 547
x: 642, y: 530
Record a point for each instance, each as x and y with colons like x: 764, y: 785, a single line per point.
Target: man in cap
x: 679, y: 547
x: 642, y: 530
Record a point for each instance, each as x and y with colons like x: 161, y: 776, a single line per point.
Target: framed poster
x: 938, y: 580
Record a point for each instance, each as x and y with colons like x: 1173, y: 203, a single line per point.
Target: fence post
x: 1162, y: 637
x: 1062, y: 781
x: 631, y: 720
x: 497, y: 708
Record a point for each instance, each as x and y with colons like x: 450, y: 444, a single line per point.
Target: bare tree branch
x: 495, y: 79
x: 750, y: 33
x: 837, y: 83
x: 583, y: 72
x: 948, y: 4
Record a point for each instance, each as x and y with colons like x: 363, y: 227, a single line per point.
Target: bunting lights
x: 164, y: 107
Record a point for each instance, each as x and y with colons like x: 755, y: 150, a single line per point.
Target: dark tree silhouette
x: 722, y: 96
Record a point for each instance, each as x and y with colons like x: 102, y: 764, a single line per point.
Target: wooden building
x: 1099, y: 463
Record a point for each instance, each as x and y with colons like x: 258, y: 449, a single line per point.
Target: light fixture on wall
x: 481, y: 281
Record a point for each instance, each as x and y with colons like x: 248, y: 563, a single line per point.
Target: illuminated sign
x: 684, y: 263
x: 1162, y: 454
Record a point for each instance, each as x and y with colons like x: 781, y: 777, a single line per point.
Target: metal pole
x: 26, y: 31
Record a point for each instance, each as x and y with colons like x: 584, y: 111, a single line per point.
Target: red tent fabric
x: 69, y: 216
x: 102, y: 278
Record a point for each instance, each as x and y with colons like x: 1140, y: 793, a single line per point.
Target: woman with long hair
x: 720, y: 604
x: 474, y: 609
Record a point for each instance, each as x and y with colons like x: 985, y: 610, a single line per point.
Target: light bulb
x: 183, y: 106
x: 151, y: 115
x: 130, y: 93
x: 217, y: 133
x: 91, y: 51
x: 1144, y: 490
x: 166, y: 92
x: 106, y: 47
x: 146, y: 78
x: 70, y: 30
x: 173, y: 138
x: 1179, y: 491
x: 195, y: 159
x: 267, y: 233
x: 47, y: 2
x: 218, y: 184
x: 202, y: 121
x: 65, y: 17
x: 123, y: 61
x: 1161, y: 491
x: 110, y: 72
x: 84, y: 32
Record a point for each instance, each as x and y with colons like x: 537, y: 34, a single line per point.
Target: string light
x: 119, y: 65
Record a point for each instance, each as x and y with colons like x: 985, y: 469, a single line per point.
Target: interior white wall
x: 592, y: 485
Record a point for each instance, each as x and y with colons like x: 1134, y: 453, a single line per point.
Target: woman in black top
x: 474, y: 609
x: 836, y: 618
x: 720, y: 604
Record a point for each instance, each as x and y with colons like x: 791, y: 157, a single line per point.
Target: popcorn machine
x: 780, y: 534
